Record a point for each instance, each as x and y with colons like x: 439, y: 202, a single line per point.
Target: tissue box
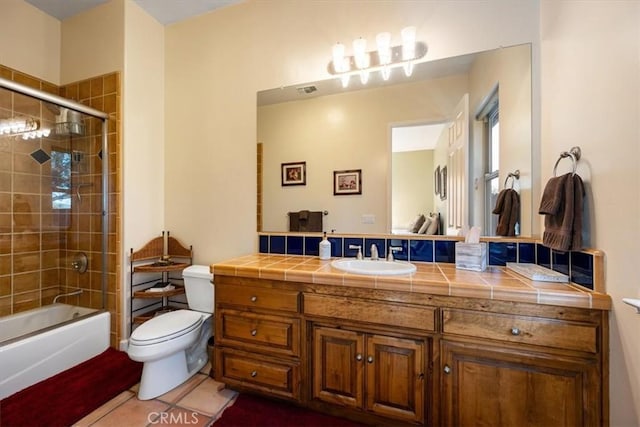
x: 471, y: 256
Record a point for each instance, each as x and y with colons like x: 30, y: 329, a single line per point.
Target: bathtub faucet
x: 67, y: 294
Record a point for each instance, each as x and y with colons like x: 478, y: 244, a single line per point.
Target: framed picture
x: 436, y: 180
x: 347, y: 182
x: 443, y: 183
x: 294, y: 173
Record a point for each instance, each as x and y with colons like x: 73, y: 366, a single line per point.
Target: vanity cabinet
x: 258, y: 339
x: 406, y: 358
x: 514, y: 370
x: 372, y: 372
x: 377, y: 362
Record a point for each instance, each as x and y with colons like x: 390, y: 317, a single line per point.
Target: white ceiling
x: 164, y: 11
x: 414, y: 138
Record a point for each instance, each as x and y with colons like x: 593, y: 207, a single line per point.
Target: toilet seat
x: 166, y: 327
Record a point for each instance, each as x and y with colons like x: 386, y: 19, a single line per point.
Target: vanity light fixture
x: 29, y: 128
x: 386, y: 57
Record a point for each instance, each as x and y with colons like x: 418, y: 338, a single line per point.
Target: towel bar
x: 514, y: 175
x: 575, y: 153
x: 635, y: 303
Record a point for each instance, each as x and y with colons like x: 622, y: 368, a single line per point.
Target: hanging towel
x: 562, y: 205
x: 508, y: 209
x: 305, y: 221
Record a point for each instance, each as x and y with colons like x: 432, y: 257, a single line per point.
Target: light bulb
x: 345, y: 81
x: 360, y: 53
x: 386, y: 73
x: 364, y: 77
x: 338, y: 58
x: 408, y: 69
x: 383, y: 40
x: 408, y: 43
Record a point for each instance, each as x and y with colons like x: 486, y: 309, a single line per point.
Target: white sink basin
x: 373, y: 268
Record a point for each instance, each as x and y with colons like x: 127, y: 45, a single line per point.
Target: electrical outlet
x: 368, y: 219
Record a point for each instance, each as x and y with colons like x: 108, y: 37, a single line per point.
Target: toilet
x: 173, y: 346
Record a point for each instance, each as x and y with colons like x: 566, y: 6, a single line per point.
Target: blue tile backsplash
x: 445, y: 251
x: 421, y: 250
x: 295, y: 245
x: 500, y: 253
x: 582, y: 269
x: 560, y: 261
x: 578, y: 265
x: 527, y: 252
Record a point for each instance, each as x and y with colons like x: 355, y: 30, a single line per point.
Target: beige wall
x: 30, y: 40
x: 143, y: 147
x: 590, y: 92
x: 343, y: 132
x: 93, y: 42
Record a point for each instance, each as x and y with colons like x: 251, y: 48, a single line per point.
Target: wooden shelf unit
x: 149, y: 260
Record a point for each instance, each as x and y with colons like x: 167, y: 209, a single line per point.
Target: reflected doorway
x: 415, y: 162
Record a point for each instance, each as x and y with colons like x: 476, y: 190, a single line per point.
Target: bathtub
x: 39, y: 343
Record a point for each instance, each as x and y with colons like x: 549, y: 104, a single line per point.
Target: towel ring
x: 513, y: 175
x: 575, y: 153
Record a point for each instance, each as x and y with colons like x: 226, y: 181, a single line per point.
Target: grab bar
x: 68, y: 294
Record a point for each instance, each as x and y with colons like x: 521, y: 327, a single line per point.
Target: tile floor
x: 198, y: 402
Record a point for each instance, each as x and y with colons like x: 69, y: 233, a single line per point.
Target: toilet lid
x: 166, y: 327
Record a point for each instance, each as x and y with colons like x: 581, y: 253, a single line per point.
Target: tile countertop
x: 495, y: 283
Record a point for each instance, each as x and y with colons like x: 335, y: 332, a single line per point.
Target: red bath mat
x: 253, y: 411
x: 72, y: 394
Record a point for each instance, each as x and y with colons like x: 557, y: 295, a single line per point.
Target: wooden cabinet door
x: 494, y: 386
x: 395, y: 377
x: 338, y: 366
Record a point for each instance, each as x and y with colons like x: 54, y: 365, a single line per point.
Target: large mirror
x: 442, y: 141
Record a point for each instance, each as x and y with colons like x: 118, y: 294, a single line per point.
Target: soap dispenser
x: 325, y: 247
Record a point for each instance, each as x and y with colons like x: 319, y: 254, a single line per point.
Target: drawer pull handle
x: 447, y: 369
x: 358, y: 357
x: 253, y: 298
x: 254, y: 374
x: 515, y: 331
x: 254, y: 332
x: 370, y: 359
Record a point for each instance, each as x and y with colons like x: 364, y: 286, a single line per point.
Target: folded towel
x: 508, y: 210
x: 305, y: 221
x: 314, y: 223
x: 562, y: 204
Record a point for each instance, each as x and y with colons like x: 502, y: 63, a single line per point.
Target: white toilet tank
x: 199, y: 289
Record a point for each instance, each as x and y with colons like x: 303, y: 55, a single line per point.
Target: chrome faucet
x: 359, y: 248
x: 393, y: 249
x: 374, y: 252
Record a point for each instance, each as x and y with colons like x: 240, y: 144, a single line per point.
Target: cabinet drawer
x: 250, y: 330
x: 391, y: 314
x: 522, y: 329
x: 258, y: 372
x: 264, y: 298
